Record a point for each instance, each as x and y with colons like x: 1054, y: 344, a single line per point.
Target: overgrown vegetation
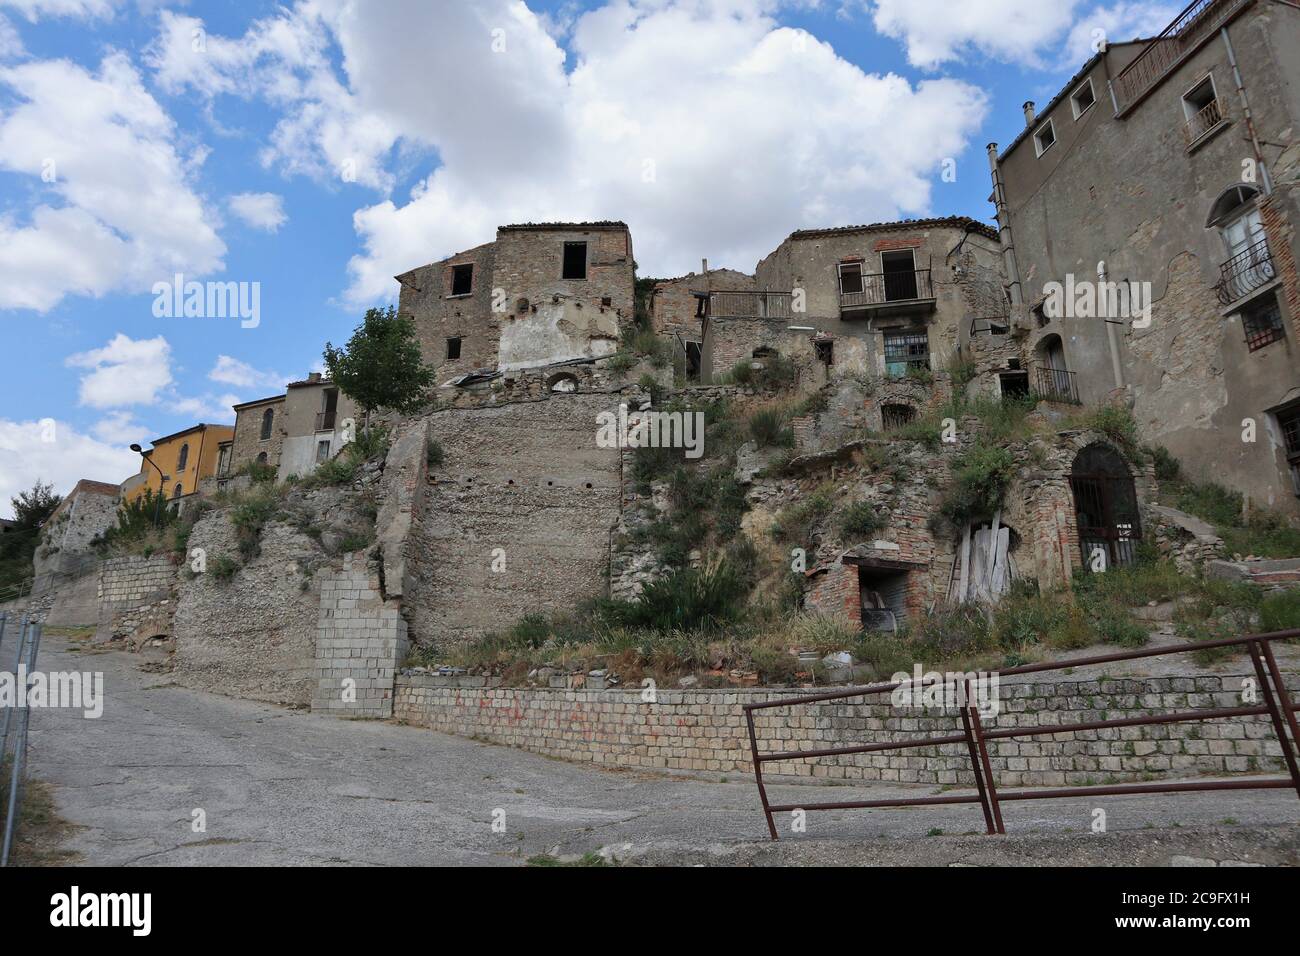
x: 381, y: 365
x: 18, y: 545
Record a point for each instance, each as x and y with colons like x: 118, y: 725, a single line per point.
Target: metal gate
x: 1105, y: 509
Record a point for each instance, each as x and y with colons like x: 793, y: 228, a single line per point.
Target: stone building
x: 1163, y: 176
x: 85, y: 513
x: 877, y: 299
x: 258, y: 438
x: 541, y: 294
x: 318, y: 420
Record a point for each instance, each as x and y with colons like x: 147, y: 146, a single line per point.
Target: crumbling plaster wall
x: 526, y: 478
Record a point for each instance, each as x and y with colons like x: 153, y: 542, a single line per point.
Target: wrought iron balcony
x: 888, y: 290
x: 751, y: 305
x: 1248, y: 270
x: 1056, y: 385
x: 1191, y: 28
x: 1204, y: 121
x: 324, y: 421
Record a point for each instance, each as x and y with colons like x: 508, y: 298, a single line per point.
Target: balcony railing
x: 1056, y: 385
x: 1181, y: 38
x: 884, y: 288
x: 1204, y: 120
x: 990, y: 325
x: 1248, y: 270
x: 751, y: 305
x: 325, y: 421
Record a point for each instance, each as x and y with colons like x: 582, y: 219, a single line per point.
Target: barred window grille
x: 1262, y: 323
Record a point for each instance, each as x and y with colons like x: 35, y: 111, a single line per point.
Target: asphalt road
x: 286, y: 787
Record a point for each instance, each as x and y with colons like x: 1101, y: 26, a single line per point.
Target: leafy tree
x: 31, y: 508
x: 381, y: 366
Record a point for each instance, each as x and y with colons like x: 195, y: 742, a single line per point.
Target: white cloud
x: 706, y: 126
x: 124, y: 372
x: 26, y: 455
x: 1115, y: 24
x: 120, y: 428
x: 208, y: 408
x: 231, y: 371
x: 117, y: 211
x: 937, y: 31
x: 260, y: 210
x: 33, y: 10
x: 11, y: 45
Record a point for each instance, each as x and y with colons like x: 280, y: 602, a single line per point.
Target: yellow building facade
x: 185, y: 458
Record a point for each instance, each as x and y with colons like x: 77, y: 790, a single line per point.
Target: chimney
x: 704, y: 264
x: 313, y: 376
x: 1029, y: 112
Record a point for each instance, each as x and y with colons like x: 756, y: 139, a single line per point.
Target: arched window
x: 184, y: 458
x: 261, y: 458
x: 268, y: 417
x: 1053, y: 379
x: 1106, y: 508
x: 1230, y: 204
x: 178, y: 490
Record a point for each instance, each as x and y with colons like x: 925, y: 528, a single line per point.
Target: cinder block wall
x: 362, y: 638
x: 704, y: 730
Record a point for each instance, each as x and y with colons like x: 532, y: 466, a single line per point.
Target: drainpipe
x: 1004, y: 228
x: 1112, y: 337
x: 1265, y: 180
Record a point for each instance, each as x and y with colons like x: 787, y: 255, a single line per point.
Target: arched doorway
x: 1105, y: 507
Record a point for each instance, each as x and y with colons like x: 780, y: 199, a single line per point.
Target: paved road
x: 282, y: 786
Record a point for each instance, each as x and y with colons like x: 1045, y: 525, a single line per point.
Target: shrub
x: 249, y: 516
x: 962, y: 372
x: 1213, y: 502
x: 686, y: 599
x: 258, y: 471
x: 794, y: 524
x: 1168, y: 468
x: 767, y: 428
x: 980, y: 480
x: 620, y: 362
x: 1280, y: 611
x: 860, y: 520
x: 433, y: 454
x: 223, y: 568
x: 1116, y: 423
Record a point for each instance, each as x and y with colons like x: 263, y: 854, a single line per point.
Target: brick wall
x: 248, y: 442
x: 360, y: 637
x: 704, y: 730
x: 133, y: 581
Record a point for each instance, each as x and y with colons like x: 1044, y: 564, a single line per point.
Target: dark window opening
x: 764, y: 351
x: 1041, y: 318
x: 1015, y: 385
x: 883, y: 594
x: 184, y: 458
x: 607, y: 302
x: 261, y: 458
x: 906, y: 350
x: 462, y: 280
x: 694, y: 361
x: 322, y: 451
x: 850, y: 278
x: 453, y: 349
x: 177, y: 491
x: 899, y: 270
x: 825, y: 351
x: 575, y: 260
x: 896, y: 416
x: 1289, y: 422
x: 1262, y: 323
x: 268, y: 419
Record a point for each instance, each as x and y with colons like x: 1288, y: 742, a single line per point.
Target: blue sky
x: 317, y: 148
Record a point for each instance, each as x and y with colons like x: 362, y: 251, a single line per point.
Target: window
x: 1041, y: 318
x: 824, y: 349
x: 1289, y: 421
x: 1262, y: 322
x: 1202, y: 110
x: 1014, y: 385
x: 899, y: 269
x: 178, y: 490
x: 184, y: 458
x: 462, y: 279
x: 268, y: 419
x: 575, y: 260
x: 1044, y: 137
x: 261, y: 458
x: 322, y: 451
x: 896, y: 416
x: 906, y: 350
x: 453, y: 349
x: 1083, y: 98
x: 850, y: 278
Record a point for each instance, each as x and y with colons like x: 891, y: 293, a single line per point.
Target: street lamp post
x: 162, y: 481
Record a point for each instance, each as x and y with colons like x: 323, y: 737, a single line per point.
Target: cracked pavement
x: 286, y: 787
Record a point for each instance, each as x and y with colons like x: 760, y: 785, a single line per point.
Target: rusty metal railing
x: 1277, y: 706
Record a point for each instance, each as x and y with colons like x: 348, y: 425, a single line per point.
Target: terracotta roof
x: 186, y: 431
x: 258, y: 401
x: 955, y: 222
x: 95, y: 487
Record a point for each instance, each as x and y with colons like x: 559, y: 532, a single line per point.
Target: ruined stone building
x: 877, y: 299
x: 1169, y: 168
x: 541, y: 294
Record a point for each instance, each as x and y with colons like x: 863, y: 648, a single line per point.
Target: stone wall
x: 65, y: 539
x: 360, y: 642
x: 248, y: 443
x: 527, y: 479
x: 704, y: 730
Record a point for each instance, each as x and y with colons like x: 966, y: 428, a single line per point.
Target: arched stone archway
x: 1105, y: 507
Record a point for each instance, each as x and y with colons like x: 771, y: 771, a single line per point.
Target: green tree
x: 31, y: 508
x: 381, y: 366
